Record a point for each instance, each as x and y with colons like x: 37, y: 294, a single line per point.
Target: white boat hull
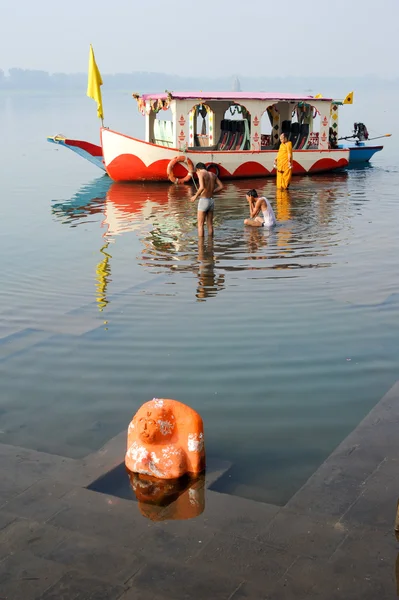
x: 130, y: 159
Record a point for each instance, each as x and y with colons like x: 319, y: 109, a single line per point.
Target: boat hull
x: 360, y: 153
x: 129, y: 159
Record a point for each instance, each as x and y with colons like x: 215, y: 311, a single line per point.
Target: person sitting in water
x: 256, y: 207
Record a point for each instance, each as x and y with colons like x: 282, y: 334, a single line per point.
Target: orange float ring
x: 171, y: 166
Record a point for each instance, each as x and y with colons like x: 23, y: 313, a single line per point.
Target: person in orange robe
x: 283, y: 163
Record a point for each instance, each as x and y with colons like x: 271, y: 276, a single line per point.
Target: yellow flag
x: 318, y: 96
x: 348, y: 99
x: 94, y: 82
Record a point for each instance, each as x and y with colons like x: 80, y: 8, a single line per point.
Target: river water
x: 282, y: 340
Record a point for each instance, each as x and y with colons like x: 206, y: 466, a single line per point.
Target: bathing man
x: 256, y: 207
x: 209, y: 184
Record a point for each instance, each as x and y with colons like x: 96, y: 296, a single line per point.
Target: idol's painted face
x: 148, y: 428
x: 155, y: 426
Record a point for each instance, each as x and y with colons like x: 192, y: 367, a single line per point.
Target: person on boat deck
x: 209, y: 184
x: 256, y: 207
x: 283, y: 163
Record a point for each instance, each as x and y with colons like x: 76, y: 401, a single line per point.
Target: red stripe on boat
x: 326, y: 164
x: 127, y: 167
x: 89, y: 148
x: 251, y: 169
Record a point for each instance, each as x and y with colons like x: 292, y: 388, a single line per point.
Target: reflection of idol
x: 208, y: 283
x: 169, y: 499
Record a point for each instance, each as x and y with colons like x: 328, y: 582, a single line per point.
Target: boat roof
x: 231, y: 96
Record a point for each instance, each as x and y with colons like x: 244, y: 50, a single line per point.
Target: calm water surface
x: 282, y: 341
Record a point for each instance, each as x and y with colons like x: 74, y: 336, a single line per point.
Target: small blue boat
x: 361, y: 151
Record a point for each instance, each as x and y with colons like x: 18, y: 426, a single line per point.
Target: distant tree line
x: 36, y: 80
x: 26, y: 79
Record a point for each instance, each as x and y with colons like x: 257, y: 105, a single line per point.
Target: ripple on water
x: 282, y: 339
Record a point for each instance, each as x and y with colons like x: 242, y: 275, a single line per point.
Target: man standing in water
x: 283, y: 163
x: 209, y: 184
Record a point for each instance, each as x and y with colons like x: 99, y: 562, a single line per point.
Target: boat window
x: 201, y: 127
x: 163, y: 128
x: 302, y: 125
x: 270, y: 128
x: 235, y: 129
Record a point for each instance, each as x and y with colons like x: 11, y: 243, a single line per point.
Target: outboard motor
x: 360, y: 132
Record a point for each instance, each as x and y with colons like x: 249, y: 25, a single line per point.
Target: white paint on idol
x: 131, y: 426
x: 154, y: 458
x: 154, y: 470
x: 158, y: 402
x: 195, y: 442
x: 165, y: 427
x: 168, y: 452
x: 143, y: 461
x: 137, y: 453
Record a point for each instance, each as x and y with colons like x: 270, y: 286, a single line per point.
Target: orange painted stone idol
x: 165, y: 440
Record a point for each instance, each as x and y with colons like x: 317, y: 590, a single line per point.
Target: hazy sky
x: 257, y: 37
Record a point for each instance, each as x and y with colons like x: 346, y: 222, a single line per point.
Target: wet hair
x: 252, y: 194
x: 200, y: 165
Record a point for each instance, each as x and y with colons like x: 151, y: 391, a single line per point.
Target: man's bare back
x: 207, y: 181
x: 209, y: 184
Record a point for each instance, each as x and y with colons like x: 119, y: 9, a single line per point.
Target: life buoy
x: 180, y: 159
x: 213, y: 168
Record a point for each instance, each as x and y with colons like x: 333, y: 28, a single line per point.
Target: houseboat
x: 236, y: 134
x: 229, y: 139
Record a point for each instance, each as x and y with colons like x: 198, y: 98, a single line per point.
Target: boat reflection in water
x: 169, y: 500
x: 164, y: 220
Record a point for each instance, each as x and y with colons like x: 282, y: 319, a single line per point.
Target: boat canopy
x: 233, y: 97
x: 233, y: 121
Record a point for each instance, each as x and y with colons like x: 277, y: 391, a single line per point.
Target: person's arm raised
x: 219, y: 186
x: 255, y: 208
